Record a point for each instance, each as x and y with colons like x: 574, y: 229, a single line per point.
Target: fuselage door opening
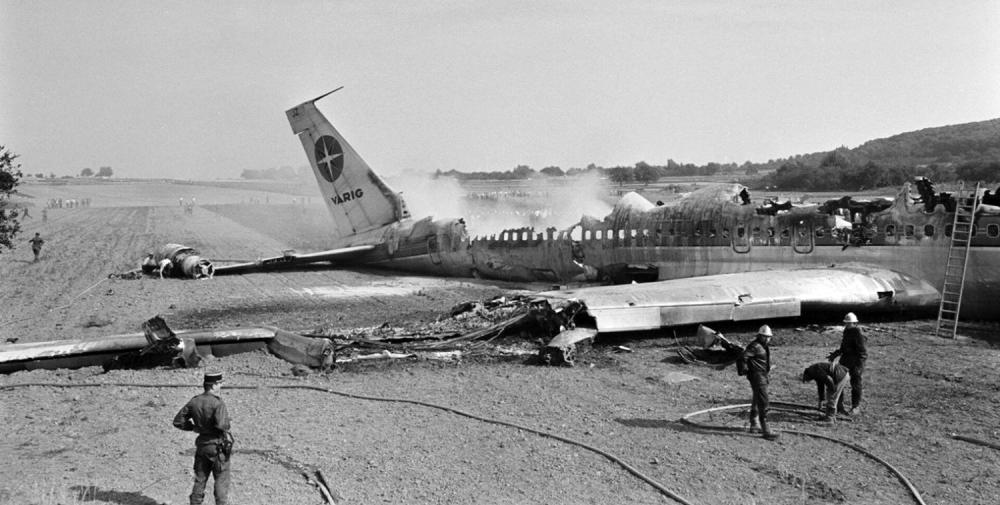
x: 740, y: 238
x: 802, y: 236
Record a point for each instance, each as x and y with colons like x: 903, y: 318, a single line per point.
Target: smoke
x: 492, y: 206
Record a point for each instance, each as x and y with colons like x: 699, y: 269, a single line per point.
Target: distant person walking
x: 25, y: 213
x: 853, y: 354
x: 207, y: 416
x: 36, y: 245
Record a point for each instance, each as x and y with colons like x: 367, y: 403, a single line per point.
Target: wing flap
x: 750, y: 296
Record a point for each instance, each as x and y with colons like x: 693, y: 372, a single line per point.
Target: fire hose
x: 793, y: 407
x: 629, y: 468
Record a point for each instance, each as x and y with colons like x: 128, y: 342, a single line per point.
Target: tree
x: 104, y: 172
x: 646, y: 173
x: 86, y: 172
x: 621, y: 175
x: 522, y: 172
x: 10, y: 177
x: 552, y: 171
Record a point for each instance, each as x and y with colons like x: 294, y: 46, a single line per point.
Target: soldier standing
x: 853, y: 355
x: 206, y: 415
x: 36, y: 245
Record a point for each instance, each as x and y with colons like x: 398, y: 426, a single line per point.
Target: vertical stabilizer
x: 357, y: 198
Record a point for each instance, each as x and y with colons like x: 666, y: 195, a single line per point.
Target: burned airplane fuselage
x: 708, y: 233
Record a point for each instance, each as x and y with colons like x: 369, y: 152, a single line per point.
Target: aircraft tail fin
x: 356, y: 197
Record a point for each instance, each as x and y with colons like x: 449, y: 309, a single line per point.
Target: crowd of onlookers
x: 67, y: 203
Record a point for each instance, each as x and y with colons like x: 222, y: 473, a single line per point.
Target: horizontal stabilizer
x: 291, y: 260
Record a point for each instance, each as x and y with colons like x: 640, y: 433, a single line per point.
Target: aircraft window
x: 586, y: 235
x: 599, y: 234
x: 697, y: 232
x: 725, y: 233
x: 785, y: 234
x: 621, y: 234
x: 890, y: 230
x: 770, y: 231
x: 928, y: 230
x: 819, y: 232
x: 756, y: 231
x: 711, y: 232
x: 575, y: 234
x: 741, y: 232
x: 671, y: 231
x: 909, y: 230
x: 993, y: 230
x: 634, y: 233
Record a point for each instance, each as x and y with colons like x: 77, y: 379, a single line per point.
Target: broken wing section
x: 290, y: 259
x: 751, y: 296
x: 356, y: 197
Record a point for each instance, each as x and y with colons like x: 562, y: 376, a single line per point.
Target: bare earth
x: 114, y: 444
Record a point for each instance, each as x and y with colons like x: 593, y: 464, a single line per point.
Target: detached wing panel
x: 346, y: 254
x: 750, y: 296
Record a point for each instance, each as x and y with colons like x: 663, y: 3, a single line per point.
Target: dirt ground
x: 114, y: 444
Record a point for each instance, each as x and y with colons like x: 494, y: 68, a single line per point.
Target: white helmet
x: 850, y: 318
x: 765, y: 330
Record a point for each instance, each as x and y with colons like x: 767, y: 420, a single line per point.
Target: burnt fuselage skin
x: 705, y: 237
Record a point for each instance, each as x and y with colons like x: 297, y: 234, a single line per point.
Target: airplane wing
x: 290, y: 259
x: 751, y: 295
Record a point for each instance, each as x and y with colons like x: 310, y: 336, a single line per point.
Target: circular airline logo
x: 329, y: 157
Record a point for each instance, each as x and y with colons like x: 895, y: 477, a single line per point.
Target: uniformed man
x: 757, y: 356
x: 853, y: 355
x: 206, y: 415
x: 831, y: 379
x: 36, y: 245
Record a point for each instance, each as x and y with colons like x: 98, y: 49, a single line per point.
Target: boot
x: 754, y: 427
x: 767, y: 433
x: 856, y: 410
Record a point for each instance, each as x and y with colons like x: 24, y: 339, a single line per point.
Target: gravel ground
x: 114, y: 443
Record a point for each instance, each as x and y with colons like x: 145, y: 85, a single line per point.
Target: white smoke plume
x: 492, y: 206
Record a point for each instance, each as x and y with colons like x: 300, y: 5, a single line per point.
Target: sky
x: 198, y: 90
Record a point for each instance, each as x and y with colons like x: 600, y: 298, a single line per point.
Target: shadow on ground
x: 96, y: 494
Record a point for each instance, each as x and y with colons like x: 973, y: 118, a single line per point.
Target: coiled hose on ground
x: 796, y: 407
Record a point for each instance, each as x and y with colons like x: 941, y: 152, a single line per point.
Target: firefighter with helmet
x: 853, y: 354
x: 757, y: 359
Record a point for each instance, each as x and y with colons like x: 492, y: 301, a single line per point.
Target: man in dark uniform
x: 758, y: 365
x: 853, y: 355
x: 36, y: 245
x: 206, y: 415
x: 830, y: 381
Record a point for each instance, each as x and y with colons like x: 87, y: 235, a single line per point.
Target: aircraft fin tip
x: 326, y: 94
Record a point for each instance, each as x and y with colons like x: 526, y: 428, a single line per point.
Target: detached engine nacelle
x: 175, y: 260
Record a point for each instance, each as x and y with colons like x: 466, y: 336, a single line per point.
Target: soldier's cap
x: 213, y: 377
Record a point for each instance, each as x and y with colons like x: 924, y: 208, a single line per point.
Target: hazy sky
x: 199, y: 89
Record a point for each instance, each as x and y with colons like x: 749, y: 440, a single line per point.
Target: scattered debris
x: 562, y: 349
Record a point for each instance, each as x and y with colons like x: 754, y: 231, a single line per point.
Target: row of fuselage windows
x: 891, y: 230
x: 653, y: 237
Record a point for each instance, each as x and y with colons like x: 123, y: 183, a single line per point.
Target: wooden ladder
x: 958, y: 257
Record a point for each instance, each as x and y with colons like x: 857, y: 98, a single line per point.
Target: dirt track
x: 116, y: 442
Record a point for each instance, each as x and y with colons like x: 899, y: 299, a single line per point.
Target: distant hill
x: 979, y: 141
x: 969, y: 151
